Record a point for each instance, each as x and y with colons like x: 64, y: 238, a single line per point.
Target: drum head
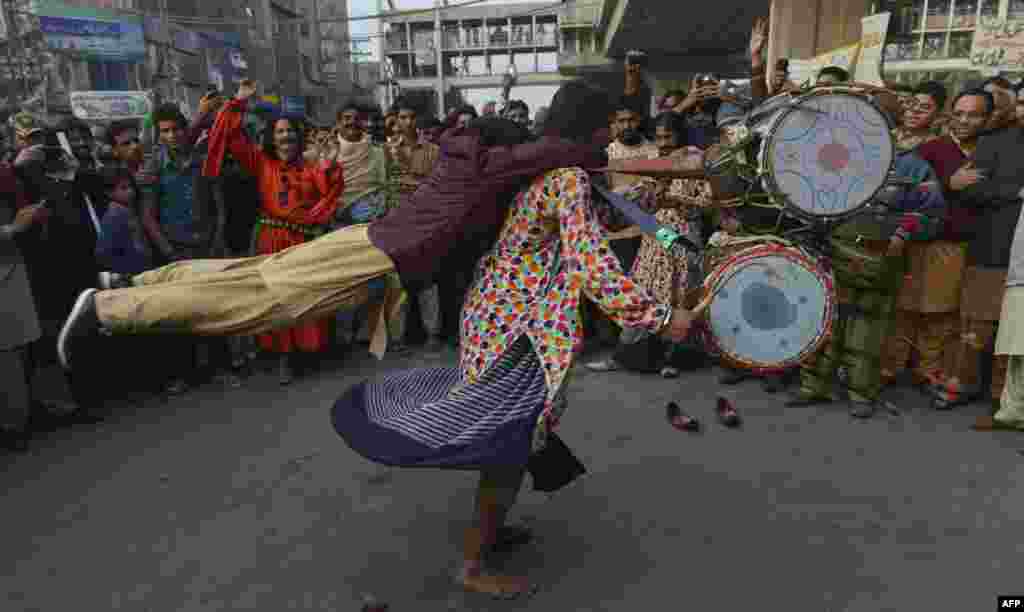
x: 829, y: 163
x: 773, y: 307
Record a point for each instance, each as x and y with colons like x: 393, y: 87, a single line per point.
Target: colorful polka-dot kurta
x: 551, y: 249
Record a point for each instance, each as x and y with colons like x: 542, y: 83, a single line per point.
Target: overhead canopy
x: 687, y: 35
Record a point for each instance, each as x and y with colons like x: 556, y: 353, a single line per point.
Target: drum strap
x: 648, y: 224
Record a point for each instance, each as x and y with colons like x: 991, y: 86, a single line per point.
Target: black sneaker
x: 82, y: 323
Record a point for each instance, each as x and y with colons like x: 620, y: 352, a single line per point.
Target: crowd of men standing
x: 82, y: 210
x: 79, y: 213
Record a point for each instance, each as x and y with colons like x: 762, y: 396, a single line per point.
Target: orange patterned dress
x: 297, y: 200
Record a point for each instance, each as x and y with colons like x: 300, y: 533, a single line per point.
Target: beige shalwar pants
x: 251, y: 295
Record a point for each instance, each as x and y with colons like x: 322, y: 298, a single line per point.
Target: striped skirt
x: 429, y: 418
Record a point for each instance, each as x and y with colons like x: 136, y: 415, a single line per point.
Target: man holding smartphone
x: 637, y: 94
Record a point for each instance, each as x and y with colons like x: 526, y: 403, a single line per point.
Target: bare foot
x: 500, y: 587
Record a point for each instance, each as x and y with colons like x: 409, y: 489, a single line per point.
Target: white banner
x: 111, y: 105
x: 998, y: 46
x: 872, y: 42
x: 807, y: 70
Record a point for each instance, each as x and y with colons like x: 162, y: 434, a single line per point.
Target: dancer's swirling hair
x: 578, y: 111
x: 497, y: 132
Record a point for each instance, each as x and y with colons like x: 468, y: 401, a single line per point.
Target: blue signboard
x: 95, y: 39
x: 293, y: 106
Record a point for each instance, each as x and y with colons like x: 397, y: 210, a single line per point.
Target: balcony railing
x: 579, y: 14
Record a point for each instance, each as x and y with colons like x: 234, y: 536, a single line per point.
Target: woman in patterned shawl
x: 520, y: 330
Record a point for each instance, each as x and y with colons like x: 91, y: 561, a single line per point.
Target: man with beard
x: 364, y: 166
x: 628, y: 143
x: 298, y: 199
x: 368, y: 195
x: 464, y: 201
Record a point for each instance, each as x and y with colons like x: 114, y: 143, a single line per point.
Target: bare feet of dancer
x: 495, y: 496
x: 473, y: 577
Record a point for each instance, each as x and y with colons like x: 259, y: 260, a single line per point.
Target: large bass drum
x: 824, y: 154
x: 771, y: 307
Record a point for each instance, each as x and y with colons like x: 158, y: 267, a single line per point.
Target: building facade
x: 932, y: 39
x: 927, y: 39
x: 452, y: 56
x: 293, y: 47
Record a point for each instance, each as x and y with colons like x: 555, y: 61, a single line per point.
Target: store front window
x: 939, y: 29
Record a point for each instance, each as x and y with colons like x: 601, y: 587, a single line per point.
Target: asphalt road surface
x: 247, y: 500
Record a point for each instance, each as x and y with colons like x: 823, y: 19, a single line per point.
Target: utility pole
x: 439, y: 57
x: 9, y: 18
x: 19, y: 60
x: 275, y: 33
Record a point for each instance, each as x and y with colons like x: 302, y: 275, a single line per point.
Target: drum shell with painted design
x: 828, y: 164
x: 773, y: 306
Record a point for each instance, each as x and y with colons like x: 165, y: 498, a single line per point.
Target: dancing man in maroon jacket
x: 463, y: 202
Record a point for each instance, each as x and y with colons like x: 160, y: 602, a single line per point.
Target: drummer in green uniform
x: 869, y: 266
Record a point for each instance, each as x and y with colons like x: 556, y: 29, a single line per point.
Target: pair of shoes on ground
x: 725, y: 411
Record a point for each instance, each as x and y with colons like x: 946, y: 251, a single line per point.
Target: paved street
x: 247, y: 500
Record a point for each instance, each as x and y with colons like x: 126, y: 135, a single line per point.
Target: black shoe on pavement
x: 83, y: 323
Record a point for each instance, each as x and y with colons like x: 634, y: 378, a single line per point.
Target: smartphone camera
x: 706, y: 79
